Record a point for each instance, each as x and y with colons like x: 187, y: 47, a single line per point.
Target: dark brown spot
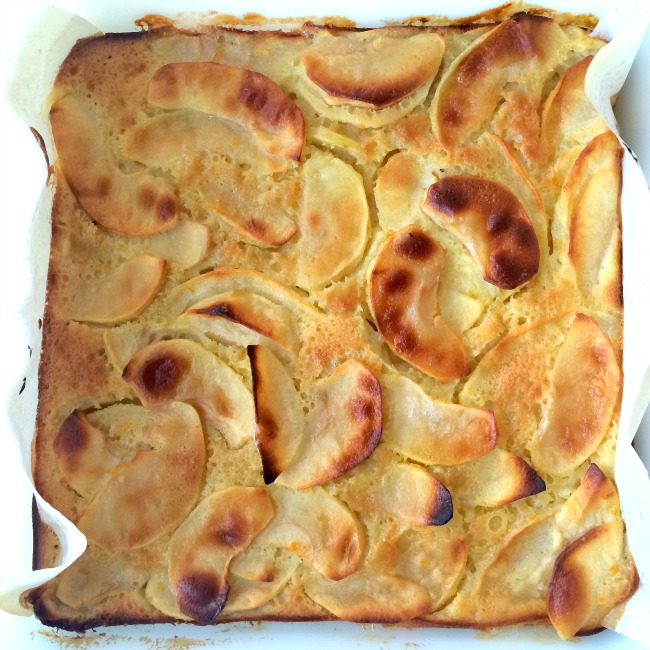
x: 406, y: 341
x: 414, y: 245
x: 442, y: 509
x: 368, y: 383
x: 397, y: 280
x: 146, y: 198
x: 220, y: 309
x: 201, y: 596
x: 449, y: 196
x: 499, y: 222
x: 267, y: 100
x: 160, y: 375
x: 167, y: 208
x: 72, y: 438
x: 231, y: 533
x: 103, y: 187
x: 452, y: 117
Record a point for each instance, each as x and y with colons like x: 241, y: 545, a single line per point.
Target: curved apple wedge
x: 136, y: 504
x: 491, y: 222
x: 279, y: 417
x: 413, y: 495
x: 588, y: 580
x: 248, y: 98
x: 316, y: 527
x: 134, y: 204
x: 334, y: 221
x: 366, y: 597
x: 585, y: 380
x: 244, y: 318
x: 430, y: 431
x: 346, y: 66
x: 402, y: 292
x: 183, y: 370
x: 122, y: 294
x: 200, y: 551
x: 342, y: 429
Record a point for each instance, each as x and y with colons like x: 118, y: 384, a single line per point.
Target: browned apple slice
x: 279, y: 417
x: 585, y: 382
x: 184, y: 370
x: 121, y: 294
x: 160, y: 594
x: 430, y: 431
x: 318, y: 528
x: 367, y: 597
x: 200, y: 551
x: 224, y: 280
x: 184, y: 246
x: 491, y: 222
x: 244, y: 318
x: 248, y: 98
x: 134, y: 204
x: 402, y: 291
x: 172, y: 140
x: 590, y: 577
x: 374, y: 68
x: 413, y: 495
x: 333, y: 223
x: 420, y: 555
x: 523, y: 51
x: 342, y: 429
x: 138, y: 503
x: 510, y: 478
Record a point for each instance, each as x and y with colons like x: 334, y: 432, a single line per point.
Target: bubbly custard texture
x: 334, y: 329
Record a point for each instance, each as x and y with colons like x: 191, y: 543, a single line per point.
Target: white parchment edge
x: 51, y: 39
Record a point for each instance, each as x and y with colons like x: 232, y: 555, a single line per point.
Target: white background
x: 22, y: 177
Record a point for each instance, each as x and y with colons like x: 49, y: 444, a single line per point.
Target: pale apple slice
x: 82, y: 454
x: 431, y: 431
x: 122, y: 294
x: 523, y: 50
x: 402, y: 292
x: 421, y: 555
x: 172, y: 140
x: 333, y: 223
x: 200, y: 551
x: 374, y: 68
x: 160, y: 594
x: 342, y: 429
x: 367, y: 597
x: 224, y: 279
x: 491, y: 222
x: 493, y: 480
x: 279, y: 417
x: 134, y: 204
x: 316, y: 527
x: 248, y: 98
x: 585, y: 382
x: 138, y: 504
x: 590, y: 577
x: 413, y: 495
x: 184, y: 246
x: 244, y: 318
x: 184, y: 370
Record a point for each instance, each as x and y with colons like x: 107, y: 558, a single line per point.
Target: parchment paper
x: 47, y: 45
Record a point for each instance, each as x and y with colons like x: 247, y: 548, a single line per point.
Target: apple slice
x: 374, y: 68
x: 585, y: 383
x: 333, y: 223
x: 588, y: 580
x: 138, y: 504
x: 413, y: 495
x: 430, y: 431
x: 184, y: 246
x: 402, y: 292
x: 493, y: 480
x: 421, y: 555
x: 524, y: 50
x: 244, y: 318
x: 342, y: 429
x: 318, y: 528
x: 366, y: 597
x: 224, y: 279
x: 122, y: 294
x: 173, y: 140
x: 184, y: 370
x: 159, y: 594
x: 279, y: 417
x: 491, y: 222
x: 247, y: 98
x: 200, y: 551
x: 134, y: 204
